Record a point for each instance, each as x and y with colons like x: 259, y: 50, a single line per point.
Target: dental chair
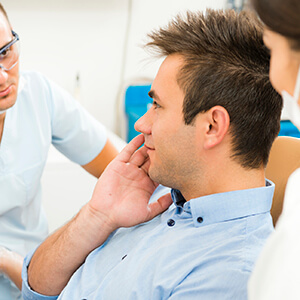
x: 283, y: 161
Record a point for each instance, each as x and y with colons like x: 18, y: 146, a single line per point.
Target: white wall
x: 61, y: 38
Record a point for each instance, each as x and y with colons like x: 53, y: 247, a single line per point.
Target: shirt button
x: 199, y: 219
x: 171, y: 222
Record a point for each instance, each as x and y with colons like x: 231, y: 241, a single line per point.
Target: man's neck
x: 2, y: 118
x: 227, y: 179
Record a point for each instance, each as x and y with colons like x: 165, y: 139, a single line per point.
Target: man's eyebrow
x: 153, y: 95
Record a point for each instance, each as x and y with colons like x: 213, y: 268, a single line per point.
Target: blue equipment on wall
x: 137, y: 102
x: 289, y: 129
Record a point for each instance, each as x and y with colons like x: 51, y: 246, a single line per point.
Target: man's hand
x: 120, y: 199
x: 123, y: 191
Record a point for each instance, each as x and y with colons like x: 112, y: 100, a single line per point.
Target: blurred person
x: 35, y: 113
x: 207, y: 136
x: 276, y: 275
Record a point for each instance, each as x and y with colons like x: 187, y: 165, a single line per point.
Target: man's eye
x: 4, y: 53
x: 156, y: 105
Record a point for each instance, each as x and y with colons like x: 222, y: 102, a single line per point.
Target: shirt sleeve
x: 27, y: 292
x: 75, y: 132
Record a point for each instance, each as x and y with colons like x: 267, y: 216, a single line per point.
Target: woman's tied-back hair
x: 282, y: 17
x: 226, y: 64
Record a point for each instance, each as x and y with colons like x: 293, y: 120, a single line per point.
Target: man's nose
x: 3, y: 76
x: 144, y: 123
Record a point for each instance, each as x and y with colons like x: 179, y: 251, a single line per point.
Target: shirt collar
x: 227, y: 206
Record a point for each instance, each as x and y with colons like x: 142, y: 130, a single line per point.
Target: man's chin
x: 156, y: 176
x: 7, y: 103
x: 152, y: 174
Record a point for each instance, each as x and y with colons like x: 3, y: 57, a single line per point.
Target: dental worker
x: 276, y: 275
x: 35, y: 112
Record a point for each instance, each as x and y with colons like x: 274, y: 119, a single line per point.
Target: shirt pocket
x: 20, y: 188
x: 13, y: 192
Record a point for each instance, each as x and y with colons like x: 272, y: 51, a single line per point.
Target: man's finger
x: 129, y: 149
x: 160, y: 206
x: 145, y: 166
x: 139, y: 157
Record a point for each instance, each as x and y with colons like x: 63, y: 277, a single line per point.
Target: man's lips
x: 148, y: 147
x: 5, y: 92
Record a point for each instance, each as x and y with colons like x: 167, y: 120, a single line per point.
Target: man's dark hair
x: 226, y: 64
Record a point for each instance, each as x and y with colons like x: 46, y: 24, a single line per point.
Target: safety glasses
x: 9, y: 54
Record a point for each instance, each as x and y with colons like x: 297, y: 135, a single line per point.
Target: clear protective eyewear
x: 9, y: 54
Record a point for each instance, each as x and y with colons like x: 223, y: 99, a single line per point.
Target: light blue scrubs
x: 43, y: 114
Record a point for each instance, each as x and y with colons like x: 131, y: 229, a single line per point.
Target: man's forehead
x: 170, y: 67
x: 172, y: 62
x: 165, y: 88
x: 168, y: 70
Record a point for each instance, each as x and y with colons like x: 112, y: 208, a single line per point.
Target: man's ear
x: 217, y: 126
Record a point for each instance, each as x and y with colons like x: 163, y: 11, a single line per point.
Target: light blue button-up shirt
x: 204, y: 249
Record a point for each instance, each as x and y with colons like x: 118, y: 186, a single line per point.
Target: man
x: 34, y: 112
x: 207, y: 136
